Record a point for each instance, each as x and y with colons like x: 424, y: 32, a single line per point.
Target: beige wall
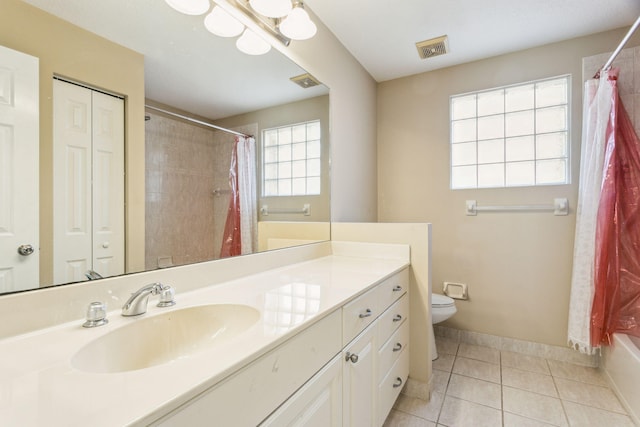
x: 294, y: 112
x: 517, y: 265
x: 72, y: 53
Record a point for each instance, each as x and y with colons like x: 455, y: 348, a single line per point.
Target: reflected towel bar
x: 560, y: 206
x: 306, y: 210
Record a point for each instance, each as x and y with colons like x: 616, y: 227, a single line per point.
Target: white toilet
x: 442, y: 308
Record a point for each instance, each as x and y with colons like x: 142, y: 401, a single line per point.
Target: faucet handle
x: 96, y: 315
x: 167, y: 294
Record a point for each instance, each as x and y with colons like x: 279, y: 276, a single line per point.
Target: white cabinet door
x: 88, y: 190
x: 317, y: 404
x: 360, y: 380
x: 19, y: 170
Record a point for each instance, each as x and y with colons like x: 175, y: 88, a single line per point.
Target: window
x: 291, y: 160
x: 511, y: 136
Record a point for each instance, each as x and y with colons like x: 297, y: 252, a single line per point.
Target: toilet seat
x: 441, y: 301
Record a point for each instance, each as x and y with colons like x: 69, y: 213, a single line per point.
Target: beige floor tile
x: 532, y: 405
x: 444, y: 362
x: 577, y: 373
x: 420, y: 408
x: 585, y: 416
x: 440, y: 381
x: 400, y: 419
x: 474, y: 390
x: 530, y: 381
x: 461, y: 413
x: 486, y: 354
x: 525, y: 362
x: 446, y: 346
x: 477, y: 369
x: 513, y: 420
x: 589, y: 395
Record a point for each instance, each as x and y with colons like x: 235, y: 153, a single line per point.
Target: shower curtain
x: 240, y: 231
x: 605, y: 287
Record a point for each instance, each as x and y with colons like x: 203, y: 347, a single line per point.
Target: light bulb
x: 271, y: 8
x: 298, y: 25
x: 220, y: 23
x: 190, y: 7
x: 251, y: 44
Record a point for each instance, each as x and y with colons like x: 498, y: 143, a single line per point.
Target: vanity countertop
x: 39, y: 386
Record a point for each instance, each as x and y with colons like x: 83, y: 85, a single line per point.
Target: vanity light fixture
x: 251, y: 44
x: 220, y: 23
x: 297, y: 25
x: 285, y: 20
x: 272, y: 8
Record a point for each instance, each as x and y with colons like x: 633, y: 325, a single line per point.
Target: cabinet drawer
x: 358, y: 314
x: 392, y: 349
x: 392, y: 319
x: 393, y: 288
x: 391, y: 386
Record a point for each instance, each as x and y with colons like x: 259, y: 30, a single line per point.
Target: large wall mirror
x: 157, y: 80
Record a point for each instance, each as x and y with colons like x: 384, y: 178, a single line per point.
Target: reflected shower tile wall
x: 184, y: 164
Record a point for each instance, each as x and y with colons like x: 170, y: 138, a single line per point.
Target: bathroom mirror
x: 184, y: 69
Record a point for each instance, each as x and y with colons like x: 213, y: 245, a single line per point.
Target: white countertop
x: 39, y: 386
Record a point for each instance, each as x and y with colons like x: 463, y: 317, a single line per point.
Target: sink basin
x: 154, y: 340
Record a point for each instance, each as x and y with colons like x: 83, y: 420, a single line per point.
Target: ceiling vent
x: 305, y: 80
x: 432, y: 47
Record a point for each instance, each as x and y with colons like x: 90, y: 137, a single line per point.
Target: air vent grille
x: 432, y: 47
x: 305, y: 80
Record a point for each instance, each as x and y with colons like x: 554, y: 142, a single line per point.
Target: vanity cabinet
x: 346, y: 369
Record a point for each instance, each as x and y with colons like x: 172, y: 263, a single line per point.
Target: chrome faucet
x: 92, y: 275
x: 137, y: 302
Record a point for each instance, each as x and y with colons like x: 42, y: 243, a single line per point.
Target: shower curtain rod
x: 624, y: 41
x: 200, y: 122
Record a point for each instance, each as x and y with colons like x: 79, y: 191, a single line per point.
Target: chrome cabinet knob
x: 397, y: 288
x: 25, y: 250
x: 397, y: 318
x: 351, y: 357
x: 397, y: 347
x: 366, y: 313
x: 398, y: 382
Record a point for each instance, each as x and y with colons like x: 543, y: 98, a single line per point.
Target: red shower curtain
x: 616, y: 301
x: 231, y: 240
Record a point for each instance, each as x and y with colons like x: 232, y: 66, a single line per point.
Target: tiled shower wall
x: 187, y: 173
x: 628, y: 61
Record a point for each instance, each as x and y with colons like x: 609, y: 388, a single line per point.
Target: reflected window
x: 291, y: 160
x: 290, y: 305
x: 511, y: 136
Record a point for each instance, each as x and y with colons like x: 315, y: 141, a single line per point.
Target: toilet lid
x: 438, y: 300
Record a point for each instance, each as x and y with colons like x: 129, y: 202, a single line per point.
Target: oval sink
x: 164, y: 337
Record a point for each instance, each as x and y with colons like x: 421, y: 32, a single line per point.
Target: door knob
x: 25, y: 250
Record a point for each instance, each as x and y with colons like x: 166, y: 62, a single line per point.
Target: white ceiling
x: 381, y: 34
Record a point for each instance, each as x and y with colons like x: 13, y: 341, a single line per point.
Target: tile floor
x: 479, y: 386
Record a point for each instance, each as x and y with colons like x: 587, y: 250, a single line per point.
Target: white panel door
x: 19, y: 171
x: 108, y: 184
x: 360, y: 380
x: 72, y: 151
x: 88, y: 183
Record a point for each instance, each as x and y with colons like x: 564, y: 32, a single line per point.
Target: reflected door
x: 19, y: 171
x: 88, y: 183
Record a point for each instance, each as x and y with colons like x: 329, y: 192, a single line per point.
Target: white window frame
x: 534, y: 159
x: 317, y: 159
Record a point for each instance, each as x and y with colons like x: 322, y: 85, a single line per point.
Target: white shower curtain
x: 595, y: 117
x: 247, y: 189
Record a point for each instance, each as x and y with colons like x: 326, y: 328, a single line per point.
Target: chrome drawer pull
x: 397, y: 288
x: 367, y: 313
x: 397, y: 347
x: 398, y: 382
x: 351, y: 357
x: 397, y: 318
